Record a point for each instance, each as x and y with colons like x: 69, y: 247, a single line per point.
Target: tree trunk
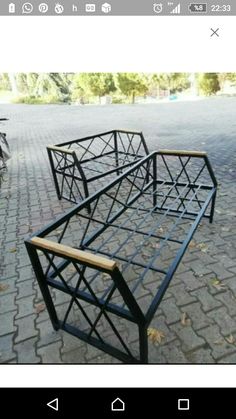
x: 12, y: 79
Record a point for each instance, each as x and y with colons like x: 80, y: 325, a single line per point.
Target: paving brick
x: 188, y: 338
x: 50, y: 354
x: 76, y: 356
x: 47, y: 334
x: 231, y: 283
x: 206, y: 299
x: 26, y: 352
x: 173, y: 354
x: 10, y: 270
x: 229, y: 301
x: 219, y: 346
x: 25, y: 273
x: 7, y: 323
x: 197, y: 316
x: 230, y: 359
x: 8, y: 286
x: 201, y: 356
x: 7, y: 303
x: 25, y: 288
x: 6, y: 350
x: 25, y: 328
x: 171, y: 311
x: 181, y: 296
x: 70, y: 343
x: 220, y: 271
x: 190, y: 281
x: 12, y: 228
x: 92, y: 354
x: 25, y: 307
x: 225, y: 322
x: 198, y: 267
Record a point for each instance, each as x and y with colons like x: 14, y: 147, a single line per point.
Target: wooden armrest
x: 63, y: 150
x: 189, y: 153
x: 80, y: 255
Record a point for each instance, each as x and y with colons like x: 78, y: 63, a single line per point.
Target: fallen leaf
x: 215, y: 282
x: 185, y: 321
x: 219, y: 342
x: 58, y: 232
x: 155, y: 335
x: 40, y: 307
x: 12, y: 250
x: 192, y: 244
x: 230, y: 339
x: 105, y: 276
x: 3, y: 287
x: 203, y: 247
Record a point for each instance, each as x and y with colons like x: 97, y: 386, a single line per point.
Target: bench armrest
x: 183, y: 153
x: 60, y: 149
x: 80, y: 255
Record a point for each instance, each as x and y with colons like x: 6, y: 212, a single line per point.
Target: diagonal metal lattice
x: 140, y: 224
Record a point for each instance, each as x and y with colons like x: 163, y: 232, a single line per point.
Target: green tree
x: 174, y: 82
x: 4, y: 82
x: 52, y: 84
x: 94, y: 84
x: 132, y: 84
x: 208, y: 83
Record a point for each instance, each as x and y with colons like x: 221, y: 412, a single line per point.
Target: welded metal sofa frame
x: 132, y: 240
x: 4, y: 148
x: 78, y: 163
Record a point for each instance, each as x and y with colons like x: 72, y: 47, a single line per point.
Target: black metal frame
x: 136, y: 234
x: 75, y: 164
x: 3, y: 139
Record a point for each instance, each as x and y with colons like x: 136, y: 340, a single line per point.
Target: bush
x: 46, y: 99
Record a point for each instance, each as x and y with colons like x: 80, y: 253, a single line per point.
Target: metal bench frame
x: 4, y: 141
x: 75, y: 164
x: 167, y: 186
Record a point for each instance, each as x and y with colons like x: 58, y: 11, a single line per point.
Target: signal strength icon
x: 176, y: 10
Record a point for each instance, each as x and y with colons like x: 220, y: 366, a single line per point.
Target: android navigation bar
x: 117, y: 8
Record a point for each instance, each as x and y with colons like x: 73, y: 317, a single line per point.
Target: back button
x: 53, y: 404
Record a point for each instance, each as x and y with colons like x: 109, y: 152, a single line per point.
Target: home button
x: 118, y: 405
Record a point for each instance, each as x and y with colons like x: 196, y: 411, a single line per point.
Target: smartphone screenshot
x: 117, y: 207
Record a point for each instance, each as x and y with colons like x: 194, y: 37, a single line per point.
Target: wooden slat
x: 60, y: 149
x: 189, y: 153
x: 80, y: 255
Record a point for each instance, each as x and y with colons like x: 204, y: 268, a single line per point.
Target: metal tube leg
x: 143, y: 344
x: 43, y: 286
x: 86, y: 195
x: 212, y: 207
x: 54, y: 174
x: 154, y: 162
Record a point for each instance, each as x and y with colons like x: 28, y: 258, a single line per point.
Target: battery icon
x: 198, y: 7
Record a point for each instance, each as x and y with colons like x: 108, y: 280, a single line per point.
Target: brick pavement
x: 203, y: 291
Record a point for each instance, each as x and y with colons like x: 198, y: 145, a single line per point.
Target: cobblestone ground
x: 198, y: 315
